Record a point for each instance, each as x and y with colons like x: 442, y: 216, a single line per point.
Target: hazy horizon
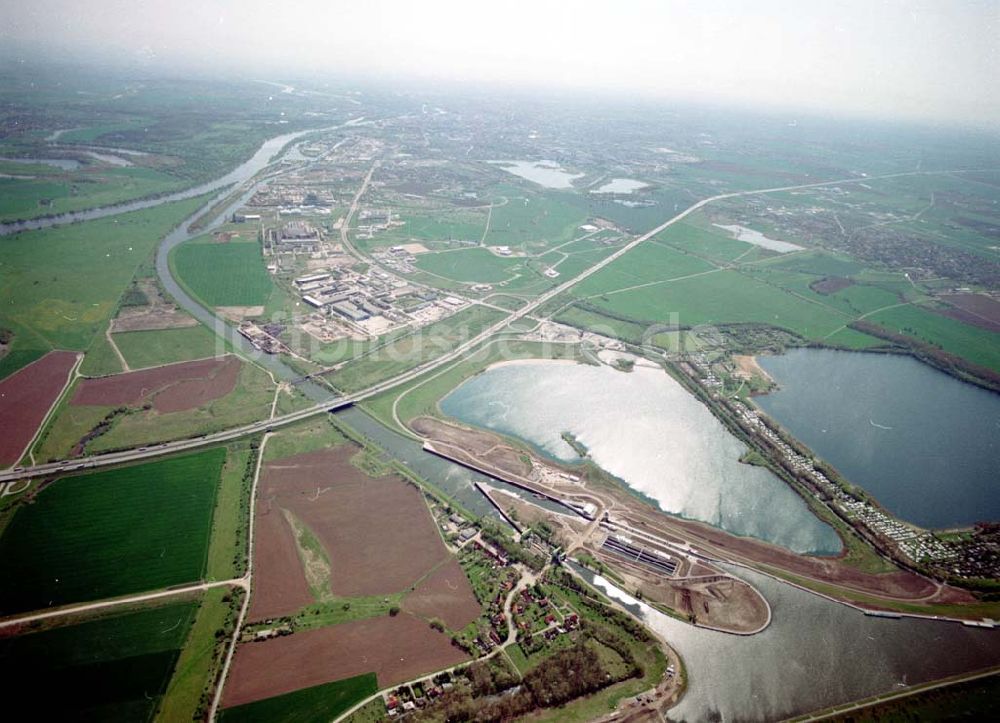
x: 905, y: 59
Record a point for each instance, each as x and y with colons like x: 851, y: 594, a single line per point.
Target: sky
x: 917, y: 59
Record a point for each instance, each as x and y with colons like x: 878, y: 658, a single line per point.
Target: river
x: 925, y: 444
x: 815, y: 653
x: 648, y: 431
x: 264, y: 155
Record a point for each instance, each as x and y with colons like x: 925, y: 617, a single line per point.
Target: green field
x: 646, y: 263
x: 58, y: 191
x: 306, y: 436
x: 979, y: 346
x: 229, y: 274
x: 698, y: 236
x: 451, y: 224
x: 469, y: 265
x: 61, y: 284
x: 719, y: 297
x: 143, y: 349
x: 535, y: 221
x: 319, y: 704
x: 100, y: 359
x: 111, y: 533
x: 111, y: 669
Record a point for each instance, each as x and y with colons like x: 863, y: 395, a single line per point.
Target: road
x: 247, y: 578
x: 105, y: 460
x: 116, y: 602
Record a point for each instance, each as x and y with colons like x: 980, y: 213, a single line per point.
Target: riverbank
x: 833, y: 577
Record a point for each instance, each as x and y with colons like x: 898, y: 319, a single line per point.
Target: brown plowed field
x: 279, y: 586
x: 25, y: 399
x: 378, y: 533
x: 396, y: 649
x: 172, y: 387
x: 445, y: 594
x: 976, y: 309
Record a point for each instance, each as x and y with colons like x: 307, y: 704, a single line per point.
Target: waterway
x: 264, y: 155
x: 621, y: 185
x: 748, y: 235
x: 925, y: 444
x: 545, y: 173
x: 648, y: 431
x: 815, y: 653
x: 66, y: 164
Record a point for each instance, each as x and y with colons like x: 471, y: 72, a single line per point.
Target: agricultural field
x: 157, y: 404
x: 723, y: 296
x: 309, y: 436
x: 62, y: 284
x: 473, y: 265
x: 318, y: 704
x: 114, y: 668
x: 338, y: 506
x: 647, y: 263
x: 44, y: 191
x: 979, y: 346
x: 92, y: 536
x: 351, y: 565
x: 535, y: 222
x: 223, y: 274
x: 25, y: 399
x: 395, y: 648
x: 171, y: 388
x: 143, y: 349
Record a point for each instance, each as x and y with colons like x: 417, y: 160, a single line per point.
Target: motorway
x: 141, y: 453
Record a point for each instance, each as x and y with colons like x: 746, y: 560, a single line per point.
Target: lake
x: 545, y: 173
x: 621, y: 185
x: 648, y: 431
x: 926, y: 445
x: 748, y: 235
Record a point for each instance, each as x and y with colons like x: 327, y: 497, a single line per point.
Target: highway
x: 158, y: 450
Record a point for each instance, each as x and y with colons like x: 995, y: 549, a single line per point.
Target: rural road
x: 141, y: 453
x: 115, y: 602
